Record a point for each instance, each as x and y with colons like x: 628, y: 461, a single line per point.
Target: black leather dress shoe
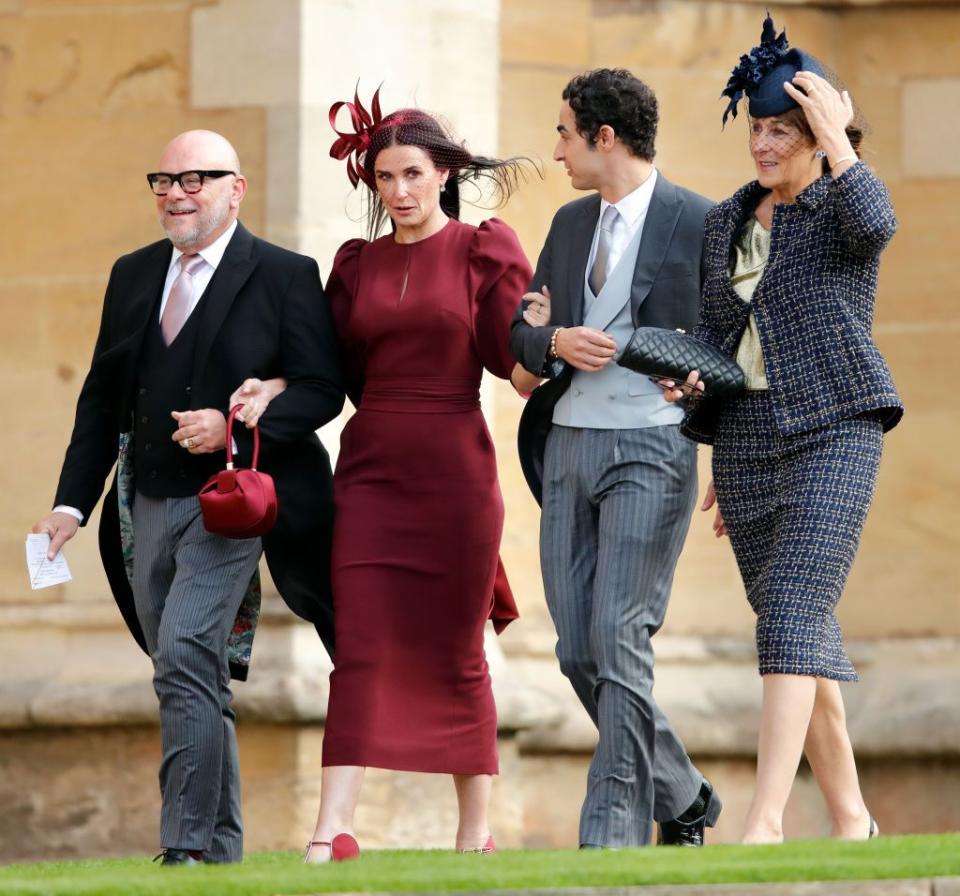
x: 688, y: 829
x: 178, y: 857
x: 681, y: 833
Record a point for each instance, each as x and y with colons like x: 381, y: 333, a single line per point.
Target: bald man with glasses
x: 185, y: 321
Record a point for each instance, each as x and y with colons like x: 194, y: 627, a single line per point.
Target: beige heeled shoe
x: 484, y: 850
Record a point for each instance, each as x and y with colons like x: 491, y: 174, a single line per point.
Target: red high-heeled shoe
x: 486, y: 849
x: 343, y: 847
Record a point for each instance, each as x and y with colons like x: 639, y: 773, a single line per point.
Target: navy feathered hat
x: 761, y: 72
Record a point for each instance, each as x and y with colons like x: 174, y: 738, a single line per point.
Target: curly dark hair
x: 613, y: 96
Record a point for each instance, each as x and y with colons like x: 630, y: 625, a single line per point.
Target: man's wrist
x: 552, y: 349
x: 72, y: 511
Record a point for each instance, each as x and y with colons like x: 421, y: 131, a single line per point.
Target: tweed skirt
x: 794, y: 507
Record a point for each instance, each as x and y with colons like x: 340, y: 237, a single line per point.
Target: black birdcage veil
x: 777, y: 125
x: 788, y: 134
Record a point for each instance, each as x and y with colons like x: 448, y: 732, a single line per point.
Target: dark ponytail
x: 450, y: 197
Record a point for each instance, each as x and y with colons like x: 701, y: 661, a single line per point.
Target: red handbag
x: 239, y: 503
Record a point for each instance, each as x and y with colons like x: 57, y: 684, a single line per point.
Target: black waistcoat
x: 163, y: 469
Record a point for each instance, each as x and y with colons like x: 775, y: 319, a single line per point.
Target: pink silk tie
x: 177, y: 309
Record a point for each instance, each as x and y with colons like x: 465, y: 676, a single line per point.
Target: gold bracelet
x: 843, y: 159
x: 552, y: 351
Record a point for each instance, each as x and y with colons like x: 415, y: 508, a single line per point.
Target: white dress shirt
x: 212, y: 255
x: 632, y: 213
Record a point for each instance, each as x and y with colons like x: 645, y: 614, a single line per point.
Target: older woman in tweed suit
x: 791, y: 271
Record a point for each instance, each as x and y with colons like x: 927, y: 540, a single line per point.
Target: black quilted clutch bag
x: 672, y: 354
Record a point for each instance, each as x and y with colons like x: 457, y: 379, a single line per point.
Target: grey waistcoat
x: 614, y: 398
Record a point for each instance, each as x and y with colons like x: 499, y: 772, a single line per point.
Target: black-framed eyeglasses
x: 190, y: 181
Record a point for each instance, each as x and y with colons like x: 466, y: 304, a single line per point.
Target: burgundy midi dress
x: 419, y: 513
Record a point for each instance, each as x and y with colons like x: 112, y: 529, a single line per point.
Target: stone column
x: 437, y: 55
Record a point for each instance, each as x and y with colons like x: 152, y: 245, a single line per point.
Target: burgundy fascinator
x: 352, y: 146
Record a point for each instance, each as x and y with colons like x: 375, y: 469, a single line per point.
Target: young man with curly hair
x: 603, y: 454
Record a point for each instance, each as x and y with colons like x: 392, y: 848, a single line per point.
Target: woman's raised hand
x: 255, y: 395
x: 828, y: 111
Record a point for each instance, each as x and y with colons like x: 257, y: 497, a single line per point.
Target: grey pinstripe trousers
x: 616, y: 508
x: 187, y: 586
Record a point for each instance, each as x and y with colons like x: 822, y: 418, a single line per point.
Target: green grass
x: 266, y: 874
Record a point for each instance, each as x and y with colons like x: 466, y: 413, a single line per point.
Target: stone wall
x: 90, y: 92
x: 899, y: 64
x: 76, y: 793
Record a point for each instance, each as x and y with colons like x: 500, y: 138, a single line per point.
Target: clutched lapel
x: 661, y: 221
x: 232, y: 273
x: 580, y: 243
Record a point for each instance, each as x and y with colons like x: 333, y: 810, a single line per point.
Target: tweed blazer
x: 813, y: 305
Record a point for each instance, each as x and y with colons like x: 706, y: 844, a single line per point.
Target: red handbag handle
x: 256, y: 439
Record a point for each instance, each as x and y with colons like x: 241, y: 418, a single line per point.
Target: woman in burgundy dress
x: 420, y: 313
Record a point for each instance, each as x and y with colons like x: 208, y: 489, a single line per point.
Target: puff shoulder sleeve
x: 499, y: 275
x: 340, y: 290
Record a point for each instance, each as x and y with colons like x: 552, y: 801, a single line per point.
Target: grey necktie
x: 177, y: 309
x: 601, y: 264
